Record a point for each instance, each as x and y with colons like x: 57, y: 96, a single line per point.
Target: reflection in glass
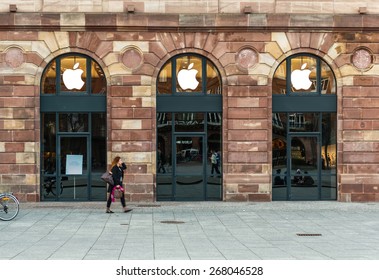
x: 328, y: 82
x: 279, y: 156
x: 73, y: 122
x: 184, y: 138
x: 214, y: 124
x: 213, y: 79
x: 304, y: 168
x: 189, y: 167
x: 49, y: 79
x: 98, y: 82
x: 329, y: 188
x: 183, y: 177
x: 279, y: 190
x: 98, y: 129
x: 329, y: 141
x: 304, y: 154
x: 304, y: 122
x: 189, y: 122
x: 164, y: 157
x: 304, y: 191
x: 279, y: 83
x: 214, y: 153
x: 279, y: 142
x: 214, y: 121
x: 164, y: 84
x: 49, y: 143
x: 74, y: 186
x: 312, y: 163
x: 189, y: 155
x: 189, y: 187
x: 98, y: 155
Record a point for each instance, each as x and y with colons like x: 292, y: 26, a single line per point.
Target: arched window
x: 73, y: 74
x: 303, y: 74
x: 304, y: 130
x: 189, y: 74
x: 189, y: 129
x: 73, y: 129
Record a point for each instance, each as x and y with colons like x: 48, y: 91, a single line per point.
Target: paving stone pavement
x: 193, y: 231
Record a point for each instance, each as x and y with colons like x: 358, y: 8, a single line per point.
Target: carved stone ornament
x: 247, y: 58
x: 14, y: 57
x: 132, y: 58
x: 362, y: 59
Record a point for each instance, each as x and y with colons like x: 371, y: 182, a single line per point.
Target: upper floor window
x: 189, y: 73
x: 303, y: 74
x: 73, y: 74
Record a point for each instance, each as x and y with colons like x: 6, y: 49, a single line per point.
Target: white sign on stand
x: 74, y: 166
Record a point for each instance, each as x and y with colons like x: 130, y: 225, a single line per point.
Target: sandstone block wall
x: 194, y: 7
x: 132, y: 48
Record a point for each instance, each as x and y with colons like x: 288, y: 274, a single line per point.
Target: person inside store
x: 298, y: 178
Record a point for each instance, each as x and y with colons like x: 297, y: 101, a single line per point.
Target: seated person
x: 308, y: 180
x: 278, y: 180
x: 298, y: 179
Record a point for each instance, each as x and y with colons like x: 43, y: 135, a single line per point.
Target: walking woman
x: 117, y: 171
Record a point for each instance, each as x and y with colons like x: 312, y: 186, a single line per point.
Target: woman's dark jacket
x: 118, y: 174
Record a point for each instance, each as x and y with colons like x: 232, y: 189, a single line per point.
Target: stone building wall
x: 193, y: 7
x: 132, y: 48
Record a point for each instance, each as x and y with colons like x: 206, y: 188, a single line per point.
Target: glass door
x: 304, y: 172
x: 189, y: 168
x: 73, y: 175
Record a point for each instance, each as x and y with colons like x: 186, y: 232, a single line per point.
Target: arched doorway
x: 73, y: 129
x: 189, y: 128
x: 304, y: 129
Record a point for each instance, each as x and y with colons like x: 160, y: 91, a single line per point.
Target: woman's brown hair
x: 115, y: 161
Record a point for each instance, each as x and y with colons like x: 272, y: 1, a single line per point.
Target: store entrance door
x: 73, y: 175
x: 189, y: 167
x: 189, y: 177
x: 303, y: 177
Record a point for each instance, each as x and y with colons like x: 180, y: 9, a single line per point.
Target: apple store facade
x: 249, y: 112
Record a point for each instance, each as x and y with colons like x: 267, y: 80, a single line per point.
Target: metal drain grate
x: 52, y: 206
x: 148, y: 205
x: 172, y: 222
x: 308, y: 234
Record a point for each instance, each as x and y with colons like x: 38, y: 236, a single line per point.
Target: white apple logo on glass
x: 72, y: 78
x: 187, y: 78
x: 300, y: 78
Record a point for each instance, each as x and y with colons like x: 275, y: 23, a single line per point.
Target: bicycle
x: 50, y: 185
x: 9, y: 206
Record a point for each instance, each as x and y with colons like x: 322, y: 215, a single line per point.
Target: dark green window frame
x: 189, y: 101
x: 72, y: 101
x: 304, y: 101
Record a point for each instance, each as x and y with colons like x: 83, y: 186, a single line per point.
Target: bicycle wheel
x: 9, y: 207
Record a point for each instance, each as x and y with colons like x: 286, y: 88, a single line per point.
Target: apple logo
x: 187, y: 78
x: 300, y: 78
x: 72, y: 78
